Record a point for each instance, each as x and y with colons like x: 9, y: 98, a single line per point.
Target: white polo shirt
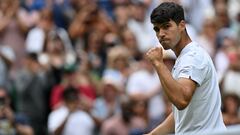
x: 204, y: 111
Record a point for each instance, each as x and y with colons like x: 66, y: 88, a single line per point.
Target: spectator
x: 221, y: 13
x: 225, y: 43
x: 121, y: 16
x: 118, y: 63
x: 11, y: 29
x: 31, y: 85
x: 196, y: 11
x: 140, y: 25
x: 118, y: 124
x: 129, y: 41
x: 108, y: 104
x: 207, y: 36
x: 231, y: 79
x: 140, y: 118
x: 10, y: 123
x: 55, y: 55
x: 7, y: 57
x: 38, y: 35
x: 69, y: 119
x: 144, y: 84
x: 230, y: 109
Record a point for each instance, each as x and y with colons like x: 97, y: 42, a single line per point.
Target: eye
x: 166, y: 26
x: 156, y: 29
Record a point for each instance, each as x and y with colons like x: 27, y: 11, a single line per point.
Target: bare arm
x: 180, y: 91
x: 166, y: 127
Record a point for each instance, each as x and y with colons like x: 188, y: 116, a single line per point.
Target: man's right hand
x: 155, y: 55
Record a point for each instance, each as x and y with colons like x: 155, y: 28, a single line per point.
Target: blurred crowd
x: 77, y: 67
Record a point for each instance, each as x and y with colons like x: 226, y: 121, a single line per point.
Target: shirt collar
x: 187, y: 48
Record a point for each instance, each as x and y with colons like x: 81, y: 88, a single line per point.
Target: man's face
x: 169, y: 33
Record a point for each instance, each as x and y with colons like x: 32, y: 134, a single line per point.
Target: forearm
x: 166, y: 127
x: 175, y: 91
x: 180, y: 91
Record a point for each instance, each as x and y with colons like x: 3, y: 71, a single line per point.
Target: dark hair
x: 167, y: 11
x: 126, y: 112
x: 70, y: 94
x: 214, y: 2
x: 46, y: 14
x: 32, y: 56
x: 230, y: 96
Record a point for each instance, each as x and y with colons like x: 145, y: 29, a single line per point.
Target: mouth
x: 163, y: 41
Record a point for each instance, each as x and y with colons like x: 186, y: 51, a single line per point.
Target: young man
x: 192, y: 87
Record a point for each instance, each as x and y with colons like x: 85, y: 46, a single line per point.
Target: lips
x: 164, y: 40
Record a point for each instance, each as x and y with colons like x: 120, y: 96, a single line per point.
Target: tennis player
x: 192, y: 87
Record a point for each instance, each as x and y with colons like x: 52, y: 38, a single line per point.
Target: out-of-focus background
x: 76, y: 67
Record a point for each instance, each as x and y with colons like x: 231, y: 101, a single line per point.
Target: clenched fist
x: 155, y: 55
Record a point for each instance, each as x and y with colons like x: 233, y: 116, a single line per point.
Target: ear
x: 182, y: 25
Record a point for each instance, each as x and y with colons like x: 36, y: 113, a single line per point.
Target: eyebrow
x: 160, y: 26
x: 164, y: 24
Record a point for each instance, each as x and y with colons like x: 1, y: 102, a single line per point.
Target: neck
x: 184, y: 41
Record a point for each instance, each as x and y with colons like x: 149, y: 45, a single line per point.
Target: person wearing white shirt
x: 69, y: 119
x: 192, y: 87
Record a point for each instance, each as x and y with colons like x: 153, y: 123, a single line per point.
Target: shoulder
x: 195, y: 55
x: 58, y: 114
x: 59, y: 111
x: 193, y: 62
x: 84, y: 116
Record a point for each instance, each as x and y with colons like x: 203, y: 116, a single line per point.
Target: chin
x: 165, y: 47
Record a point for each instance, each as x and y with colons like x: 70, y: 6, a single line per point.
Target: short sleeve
x: 197, y: 74
x: 194, y: 66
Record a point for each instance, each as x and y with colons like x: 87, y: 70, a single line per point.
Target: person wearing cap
x: 192, y: 87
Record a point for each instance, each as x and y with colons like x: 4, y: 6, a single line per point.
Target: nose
x: 161, y: 34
